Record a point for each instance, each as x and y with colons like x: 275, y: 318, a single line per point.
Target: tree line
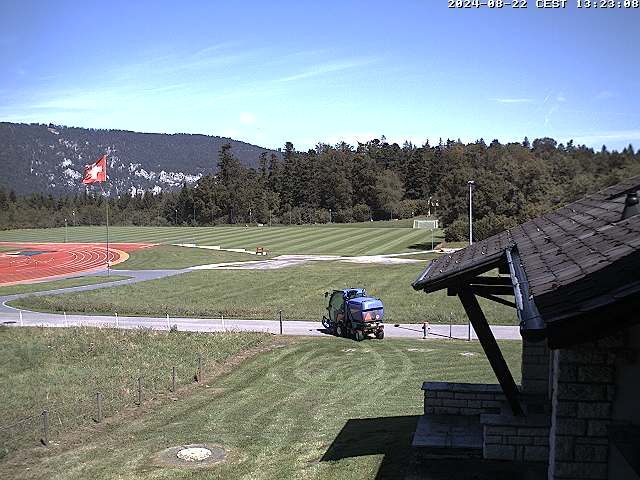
x: 376, y: 180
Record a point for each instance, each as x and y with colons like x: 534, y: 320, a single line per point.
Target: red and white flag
x: 96, y: 172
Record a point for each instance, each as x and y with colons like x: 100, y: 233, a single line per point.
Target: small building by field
x: 573, y: 278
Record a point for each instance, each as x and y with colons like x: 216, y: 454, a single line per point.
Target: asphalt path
x: 14, y: 317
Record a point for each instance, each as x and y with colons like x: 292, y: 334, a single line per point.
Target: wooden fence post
x: 99, y: 407
x: 173, y: 379
x: 139, y: 390
x: 45, y: 428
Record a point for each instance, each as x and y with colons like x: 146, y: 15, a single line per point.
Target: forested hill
x: 41, y: 158
x: 344, y: 183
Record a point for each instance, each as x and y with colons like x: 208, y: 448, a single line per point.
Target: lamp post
x: 471, y: 184
x: 329, y: 215
x: 65, y: 230
x: 176, y: 211
x: 73, y: 212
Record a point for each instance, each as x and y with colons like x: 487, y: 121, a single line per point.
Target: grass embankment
x: 347, y: 239
x: 57, y: 284
x: 324, y: 408
x: 172, y: 257
x: 61, y: 370
x: 297, y: 291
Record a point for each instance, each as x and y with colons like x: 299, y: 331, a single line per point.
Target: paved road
x: 13, y: 317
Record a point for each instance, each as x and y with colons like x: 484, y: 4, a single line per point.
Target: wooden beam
x: 491, y: 281
x: 493, y: 298
x: 491, y: 348
x: 492, y: 289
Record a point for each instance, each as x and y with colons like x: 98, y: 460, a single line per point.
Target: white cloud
x: 325, y: 68
x: 605, y: 95
x: 230, y: 133
x: 513, y: 100
x: 600, y: 137
x: 247, y: 118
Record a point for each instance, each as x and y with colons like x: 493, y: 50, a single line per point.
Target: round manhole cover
x: 193, y: 454
x: 196, y: 455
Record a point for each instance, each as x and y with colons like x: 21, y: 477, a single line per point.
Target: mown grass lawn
x: 347, y: 239
x: 325, y: 408
x: 260, y: 294
x: 56, y: 284
x: 61, y: 370
x: 172, y: 257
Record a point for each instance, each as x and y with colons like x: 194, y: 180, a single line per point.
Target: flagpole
x: 103, y: 193
x: 97, y: 172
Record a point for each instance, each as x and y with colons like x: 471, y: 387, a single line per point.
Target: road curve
x: 14, y: 317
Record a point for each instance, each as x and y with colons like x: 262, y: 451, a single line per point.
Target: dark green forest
x: 376, y: 180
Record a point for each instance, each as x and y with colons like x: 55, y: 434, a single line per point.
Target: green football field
x: 351, y: 239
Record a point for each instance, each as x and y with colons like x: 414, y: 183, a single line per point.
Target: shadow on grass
x: 389, y: 436
x: 423, y: 246
x: 392, y: 436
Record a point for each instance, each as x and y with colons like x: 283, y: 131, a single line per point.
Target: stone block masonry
x: 524, y: 439
x: 582, y: 396
x: 535, y: 368
x: 461, y: 398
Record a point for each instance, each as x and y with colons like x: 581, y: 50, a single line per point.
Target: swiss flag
x: 96, y: 172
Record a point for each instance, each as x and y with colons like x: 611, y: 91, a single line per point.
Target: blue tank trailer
x: 353, y: 314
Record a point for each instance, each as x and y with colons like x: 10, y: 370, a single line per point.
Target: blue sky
x: 309, y: 72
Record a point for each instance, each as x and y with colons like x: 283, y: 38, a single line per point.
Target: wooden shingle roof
x: 580, y: 253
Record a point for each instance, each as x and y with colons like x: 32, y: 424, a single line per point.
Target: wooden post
x: 99, y: 407
x: 173, y: 379
x: 139, y: 390
x: 45, y: 428
x: 280, y: 322
x: 491, y: 348
x: 199, y: 367
x: 117, y: 324
x: 424, y: 330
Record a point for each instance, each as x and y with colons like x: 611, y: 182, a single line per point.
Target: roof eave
x: 532, y: 325
x: 428, y: 286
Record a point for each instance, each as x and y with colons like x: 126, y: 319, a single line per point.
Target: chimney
x: 631, y: 206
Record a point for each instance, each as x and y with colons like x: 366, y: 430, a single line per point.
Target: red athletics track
x: 58, y: 259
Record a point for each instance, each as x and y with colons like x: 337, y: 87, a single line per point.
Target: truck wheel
x: 359, y: 336
x: 380, y: 334
x: 326, y: 323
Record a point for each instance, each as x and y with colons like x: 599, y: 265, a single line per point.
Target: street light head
x: 471, y: 182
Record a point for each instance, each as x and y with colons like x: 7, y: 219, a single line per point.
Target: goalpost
x: 428, y: 224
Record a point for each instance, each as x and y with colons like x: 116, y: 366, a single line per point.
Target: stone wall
x: 582, y: 396
x: 524, y: 439
x: 535, y: 368
x: 461, y: 398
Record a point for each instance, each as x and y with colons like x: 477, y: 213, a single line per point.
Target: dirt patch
x: 284, y: 261
x: 199, y: 455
